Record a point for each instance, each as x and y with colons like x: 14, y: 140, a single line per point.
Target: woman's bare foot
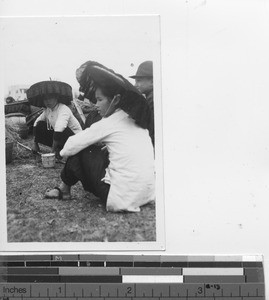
x: 63, y: 192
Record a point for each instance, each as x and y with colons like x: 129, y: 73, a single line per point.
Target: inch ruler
x: 107, y: 277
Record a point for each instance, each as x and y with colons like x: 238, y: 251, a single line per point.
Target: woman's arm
x: 64, y: 115
x: 42, y: 117
x: 83, y: 139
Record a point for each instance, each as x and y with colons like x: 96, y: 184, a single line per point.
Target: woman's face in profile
x: 103, y: 104
x: 50, y: 101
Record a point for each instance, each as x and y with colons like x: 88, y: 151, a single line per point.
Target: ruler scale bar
x: 124, y: 279
x: 140, y: 290
x: 249, y: 272
x: 92, y: 276
x: 52, y: 278
x: 130, y: 264
x: 133, y: 264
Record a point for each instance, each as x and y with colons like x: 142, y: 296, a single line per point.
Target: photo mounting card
x: 51, y: 49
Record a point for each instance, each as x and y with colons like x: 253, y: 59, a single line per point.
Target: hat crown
x: 145, y: 69
x: 37, y: 91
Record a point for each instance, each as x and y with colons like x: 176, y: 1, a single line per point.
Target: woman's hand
x: 35, y: 148
x: 58, y: 156
x: 55, y: 149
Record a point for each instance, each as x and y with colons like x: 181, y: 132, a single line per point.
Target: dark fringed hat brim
x: 92, y: 74
x: 61, y: 90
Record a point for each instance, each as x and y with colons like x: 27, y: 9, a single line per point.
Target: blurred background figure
x: 10, y: 100
x: 144, y: 83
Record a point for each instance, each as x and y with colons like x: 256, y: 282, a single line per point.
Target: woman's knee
x: 41, y: 126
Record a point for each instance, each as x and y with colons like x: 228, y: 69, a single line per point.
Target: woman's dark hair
x: 137, y: 107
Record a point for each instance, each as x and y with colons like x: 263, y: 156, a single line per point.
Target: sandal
x: 61, y: 196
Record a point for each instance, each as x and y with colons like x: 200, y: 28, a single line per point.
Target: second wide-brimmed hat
x: 92, y: 74
x: 61, y: 90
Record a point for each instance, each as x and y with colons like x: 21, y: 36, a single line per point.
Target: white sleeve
x: 64, y: 115
x: 42, y: 117
x: 83, y: 139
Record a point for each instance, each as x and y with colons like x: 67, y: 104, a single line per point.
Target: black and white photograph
x: 82, y: 123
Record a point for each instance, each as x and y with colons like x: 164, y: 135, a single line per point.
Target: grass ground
x: 31, y: 218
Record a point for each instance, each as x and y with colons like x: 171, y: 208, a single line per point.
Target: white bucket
x: 48, y: 160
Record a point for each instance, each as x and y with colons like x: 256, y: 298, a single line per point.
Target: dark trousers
x: 88, y: 166
x: 45, y: 136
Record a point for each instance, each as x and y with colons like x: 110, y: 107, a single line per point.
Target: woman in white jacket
x: 114, y: 157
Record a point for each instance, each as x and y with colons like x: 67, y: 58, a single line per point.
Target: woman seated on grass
x: 122, y: 175
x: 57, y: 122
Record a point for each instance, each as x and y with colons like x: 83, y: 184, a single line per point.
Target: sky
x: 39, y: 48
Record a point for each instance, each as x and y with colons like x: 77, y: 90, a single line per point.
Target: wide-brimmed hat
x: 145, y: 69
x: 61, y: 90
x: 92, y: 74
